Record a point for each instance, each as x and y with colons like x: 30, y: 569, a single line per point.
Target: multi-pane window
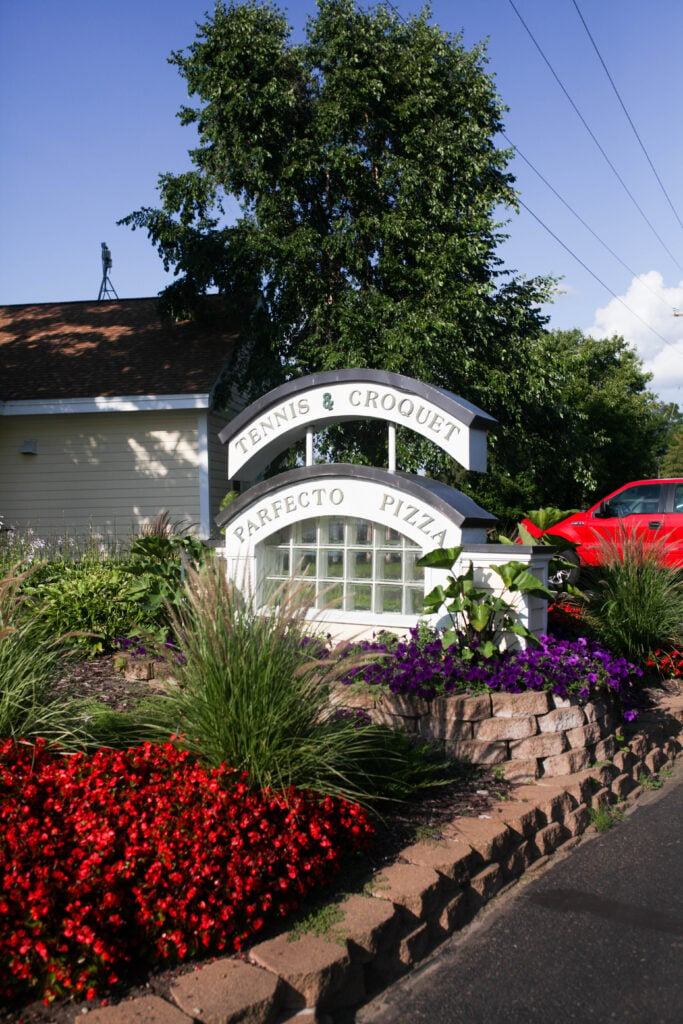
x: 352, y: 564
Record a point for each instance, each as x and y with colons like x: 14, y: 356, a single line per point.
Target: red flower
x: 144, y: 855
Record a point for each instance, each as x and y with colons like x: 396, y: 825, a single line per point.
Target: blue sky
x: 87, y: 122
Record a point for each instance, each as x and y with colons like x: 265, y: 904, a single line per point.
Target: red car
x: 652, y: 509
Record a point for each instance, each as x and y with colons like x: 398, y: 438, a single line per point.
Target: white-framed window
x: 352, y: 565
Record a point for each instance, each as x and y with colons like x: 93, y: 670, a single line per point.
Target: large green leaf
x: 440, y: 558
x: 517, y: 577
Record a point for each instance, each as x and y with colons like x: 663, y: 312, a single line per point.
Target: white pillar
x: 391, y: 458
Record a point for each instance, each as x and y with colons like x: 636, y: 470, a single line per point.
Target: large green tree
x: 615, y: 429
x: 596, y: 427
x: 671, y: 463
x: 364, y: 164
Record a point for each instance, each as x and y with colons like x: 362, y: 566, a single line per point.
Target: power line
x: 396, y: 12
x: 594, y: 138
x: 599, y: 280
x: 628, y: 116
x: 582, y: 221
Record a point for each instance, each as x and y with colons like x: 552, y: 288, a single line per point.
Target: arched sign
x: 430, y: 513
x: 355, y: 533
x: 283, y: 416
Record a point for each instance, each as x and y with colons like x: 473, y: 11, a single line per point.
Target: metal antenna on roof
x: 106, y: 288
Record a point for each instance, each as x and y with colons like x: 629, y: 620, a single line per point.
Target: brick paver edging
x: 433, y: 889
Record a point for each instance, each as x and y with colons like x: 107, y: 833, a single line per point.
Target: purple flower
x: 418, y: 665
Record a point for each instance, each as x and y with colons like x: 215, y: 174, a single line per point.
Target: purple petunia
x: 418, y: 665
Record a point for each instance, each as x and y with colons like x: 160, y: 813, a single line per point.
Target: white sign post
x: 358, y: 530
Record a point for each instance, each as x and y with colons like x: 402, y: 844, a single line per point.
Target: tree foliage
x: 612, y: 427
x: 594, y: 427
x: 672, y: 461
x: 364, y: 163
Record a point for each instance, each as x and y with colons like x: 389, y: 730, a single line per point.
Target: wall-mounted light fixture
x: 29, y: 447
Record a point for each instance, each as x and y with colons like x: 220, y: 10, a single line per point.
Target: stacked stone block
x: 532, y: 734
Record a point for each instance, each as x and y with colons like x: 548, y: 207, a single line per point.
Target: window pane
x: 389, y: 537
x: 360, y: 597
x: 331, y: 595
x: 389, y: 565
x: 304, y: 561
x: 308, y: 592
x: 276, y: 562
x: 335, y: 563
x: 389, y: 599
x: 334, y: 532
x: 308, y: 532
x: 362, y: 565
x: 281, y: 537
x: 414, y: 571
x: 362, y: 532
x: 416, y: 601
x: 643, y: 499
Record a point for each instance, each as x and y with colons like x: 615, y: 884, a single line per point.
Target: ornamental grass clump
x: 28, y: 666
x: 634, y: 600
x: 253, y: 691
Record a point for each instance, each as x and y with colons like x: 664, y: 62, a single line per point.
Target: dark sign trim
x: 454, y: 505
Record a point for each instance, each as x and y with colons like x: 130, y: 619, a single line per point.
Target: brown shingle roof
x: 85, y: 349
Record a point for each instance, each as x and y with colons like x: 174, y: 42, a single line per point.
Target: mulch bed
x: 471, y: 795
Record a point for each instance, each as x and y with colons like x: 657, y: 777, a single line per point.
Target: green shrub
x: 253, y: 691
x: 634, y: 602
x: 88, y: 603
x: 157, y: 567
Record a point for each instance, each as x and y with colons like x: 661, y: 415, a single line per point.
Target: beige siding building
x: 108, y: 417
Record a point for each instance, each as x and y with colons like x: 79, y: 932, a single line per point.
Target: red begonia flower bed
x: 669, y: 663
x: 146, y: 857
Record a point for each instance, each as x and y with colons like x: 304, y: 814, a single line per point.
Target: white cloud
x: 644, y: 316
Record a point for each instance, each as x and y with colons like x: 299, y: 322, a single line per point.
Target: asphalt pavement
x: 595, y: 937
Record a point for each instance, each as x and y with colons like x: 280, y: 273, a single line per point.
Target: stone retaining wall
x: 531, y: 735
x: 408, y: 908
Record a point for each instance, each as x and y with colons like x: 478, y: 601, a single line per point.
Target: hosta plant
x: 89, y: 602
x: 477, y: 616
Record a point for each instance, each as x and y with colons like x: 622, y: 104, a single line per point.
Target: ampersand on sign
x: 327, y: 401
